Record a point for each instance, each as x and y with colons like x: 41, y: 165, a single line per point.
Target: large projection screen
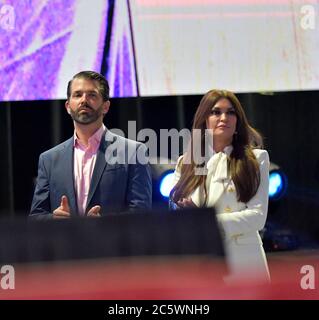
x: 189, y: 46
x: 158, y: 47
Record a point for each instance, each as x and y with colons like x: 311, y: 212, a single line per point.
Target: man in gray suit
x: 95, y: 172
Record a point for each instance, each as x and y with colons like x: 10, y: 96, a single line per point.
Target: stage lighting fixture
x: 166, y: 183
x: 277, y: 182
x: 162, y: 177
x: 163, y: 174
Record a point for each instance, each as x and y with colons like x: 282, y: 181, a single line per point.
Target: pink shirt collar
x: 94, y: 140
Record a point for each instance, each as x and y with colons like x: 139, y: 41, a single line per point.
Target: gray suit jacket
x: 121, y: 179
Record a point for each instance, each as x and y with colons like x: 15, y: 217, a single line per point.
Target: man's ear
x: 106, y: 106
x: 67, y: 107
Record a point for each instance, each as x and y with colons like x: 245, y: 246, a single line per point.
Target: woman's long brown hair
x: 243, y: 166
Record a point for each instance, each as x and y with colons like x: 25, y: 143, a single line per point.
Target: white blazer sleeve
x: 177, y: 172
x: 252, y: 218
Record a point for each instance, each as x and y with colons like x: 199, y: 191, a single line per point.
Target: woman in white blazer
x: 226, y: 168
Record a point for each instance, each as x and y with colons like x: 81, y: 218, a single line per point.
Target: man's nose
x: 83, y: 97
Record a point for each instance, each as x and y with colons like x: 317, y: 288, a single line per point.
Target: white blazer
x: 239, y: 222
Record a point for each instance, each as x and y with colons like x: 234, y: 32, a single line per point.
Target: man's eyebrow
x: 89, y: 91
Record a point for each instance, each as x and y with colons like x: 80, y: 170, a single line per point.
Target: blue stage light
x: 277, y: 184
x: 166, y: 183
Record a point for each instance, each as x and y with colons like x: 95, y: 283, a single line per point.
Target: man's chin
x: 84, y: 120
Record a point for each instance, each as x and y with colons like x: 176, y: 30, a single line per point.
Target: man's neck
x: 85, y: 131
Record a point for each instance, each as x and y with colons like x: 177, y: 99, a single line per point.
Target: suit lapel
x: 67, y: 175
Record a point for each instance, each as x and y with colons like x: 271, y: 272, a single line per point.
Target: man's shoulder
x: 58, y: 148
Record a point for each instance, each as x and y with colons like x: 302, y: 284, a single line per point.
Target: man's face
x: 86, y: 104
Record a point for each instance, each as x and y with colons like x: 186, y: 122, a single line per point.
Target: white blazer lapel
x: 216, y: 180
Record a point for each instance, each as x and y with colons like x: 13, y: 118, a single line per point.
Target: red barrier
x: 160, y: 278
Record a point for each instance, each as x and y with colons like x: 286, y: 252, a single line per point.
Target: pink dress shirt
x: 84, y: 162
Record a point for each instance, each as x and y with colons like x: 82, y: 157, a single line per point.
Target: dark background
x: 287, y: 120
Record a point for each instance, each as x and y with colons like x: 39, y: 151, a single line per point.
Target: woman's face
x: 222, y: 121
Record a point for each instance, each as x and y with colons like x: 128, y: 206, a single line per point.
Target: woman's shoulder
x: 261, y: 154
x: 179, y: 163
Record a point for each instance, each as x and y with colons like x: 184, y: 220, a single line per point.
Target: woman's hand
x: 186, y: 203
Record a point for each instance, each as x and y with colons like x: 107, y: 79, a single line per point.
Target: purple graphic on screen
x: 53, y: 40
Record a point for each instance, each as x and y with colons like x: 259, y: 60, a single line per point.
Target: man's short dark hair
x: 104, y: 88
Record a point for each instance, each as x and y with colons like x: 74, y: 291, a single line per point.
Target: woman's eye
x: 231, y: 112
x: 216, y: 112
